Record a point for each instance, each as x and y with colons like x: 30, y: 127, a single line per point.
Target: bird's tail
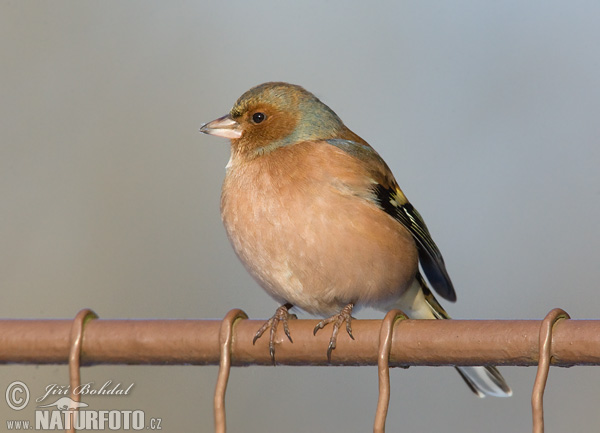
x: 481, y: 380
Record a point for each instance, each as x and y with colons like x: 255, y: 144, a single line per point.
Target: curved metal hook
x: 385, y: 345
x: 537, y: 396
x: 225, y: 340
x: 76, y: 339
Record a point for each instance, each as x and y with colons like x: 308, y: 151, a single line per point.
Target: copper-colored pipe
x: 415, y: 342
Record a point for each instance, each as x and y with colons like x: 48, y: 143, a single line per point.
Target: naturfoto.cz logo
x: 61, y: 412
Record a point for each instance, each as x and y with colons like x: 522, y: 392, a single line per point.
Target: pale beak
x: 223, y: 127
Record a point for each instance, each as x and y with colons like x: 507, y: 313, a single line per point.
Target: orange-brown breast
x: 302, y: 222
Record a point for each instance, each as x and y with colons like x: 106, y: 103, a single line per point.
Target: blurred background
x: 487, y: 112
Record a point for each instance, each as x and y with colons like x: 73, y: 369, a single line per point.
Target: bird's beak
x: 223, y: 127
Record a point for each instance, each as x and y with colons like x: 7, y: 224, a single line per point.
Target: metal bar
x: 420, y: 342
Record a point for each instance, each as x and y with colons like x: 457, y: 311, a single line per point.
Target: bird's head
x: 275, y: 114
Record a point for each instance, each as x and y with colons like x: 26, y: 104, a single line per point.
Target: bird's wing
x: 389, y: 197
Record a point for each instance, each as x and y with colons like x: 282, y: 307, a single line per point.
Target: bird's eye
x: 258, y: 117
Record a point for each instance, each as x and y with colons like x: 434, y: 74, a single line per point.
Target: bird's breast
x: 310, y: 242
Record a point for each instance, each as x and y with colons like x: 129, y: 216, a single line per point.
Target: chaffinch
x: 317, y: 218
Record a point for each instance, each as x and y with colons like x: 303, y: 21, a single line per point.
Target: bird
x: 317, y: 218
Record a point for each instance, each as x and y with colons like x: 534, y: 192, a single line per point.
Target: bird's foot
x: 281, y: 315
x: 337, y: 319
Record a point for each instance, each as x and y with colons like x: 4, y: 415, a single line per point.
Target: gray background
x: 487, y: 112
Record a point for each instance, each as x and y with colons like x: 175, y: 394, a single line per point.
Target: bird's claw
x: 337, y: 319
x: 281, y: 315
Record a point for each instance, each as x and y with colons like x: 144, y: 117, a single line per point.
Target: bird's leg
x: 281, y: 315
x: 337, y: 319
